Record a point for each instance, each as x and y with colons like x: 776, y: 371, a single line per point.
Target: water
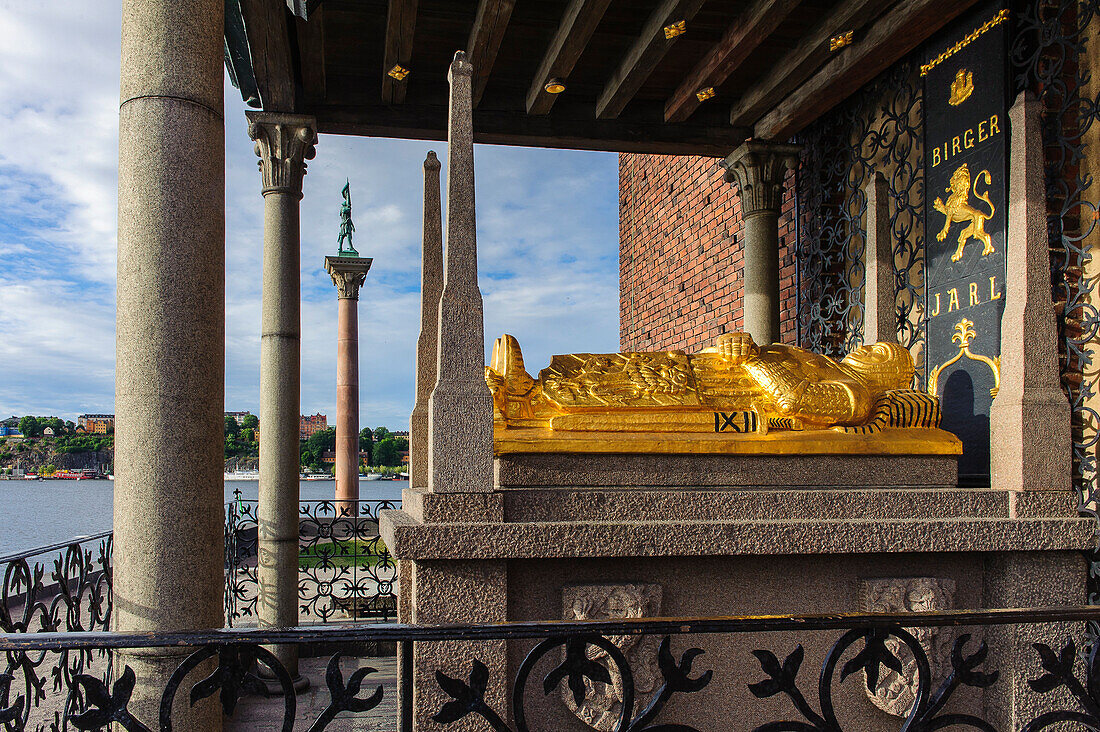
x: 39, y: 512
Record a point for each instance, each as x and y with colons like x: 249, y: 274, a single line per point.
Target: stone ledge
x: 571, y: 504
x: 423, y: 505
x: 640, y: 503
x: 410, y: 539
x: 726, y: 471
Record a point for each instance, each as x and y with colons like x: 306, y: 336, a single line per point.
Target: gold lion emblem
x: 957, y: 208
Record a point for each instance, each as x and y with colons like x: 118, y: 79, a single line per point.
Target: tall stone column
x: 1030, y: 440
x: 427, y: 347
x: 348, y: 274
x: 758, y: 168
x: 170, y: 342
x: 880, y: 322
x: 283, y: 144
x: 460, y: 422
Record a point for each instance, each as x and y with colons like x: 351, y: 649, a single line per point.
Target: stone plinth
x: 722, y: 534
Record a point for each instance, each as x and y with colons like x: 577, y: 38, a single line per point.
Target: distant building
x: 309, y: 426
x: 9, y: 431
x: 329, y: 456
x: 48, y: 432
x: 96, y: 424
x: 238, y: 416
x: 404, y: 434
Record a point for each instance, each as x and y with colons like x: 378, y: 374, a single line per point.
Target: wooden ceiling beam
x: 741, y: 39
x: 429, y: 122
x: 807, y: 57
x: 643, y: 57
x: 485, y: 37
x: 397, y: 50
x: 266, y: 25
x: 577, y: 25
x: 897, y: 33
x: 311, y: 55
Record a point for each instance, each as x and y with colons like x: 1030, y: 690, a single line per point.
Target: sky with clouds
x: 547, y: 237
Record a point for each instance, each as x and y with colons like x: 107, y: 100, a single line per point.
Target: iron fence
x: 568, y: 658
x: 344, y: 568
x: 60, y: 588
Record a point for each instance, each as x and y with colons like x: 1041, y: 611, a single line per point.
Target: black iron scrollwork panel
x: 579, y: 670
x: 872, y: 651
x: 62, y: 588
x: 1049, y: 49
x: 876, y: 655
x: 345, y: 570
x: 580, y: 665
x: 237, y: 674
x: 878, y: 130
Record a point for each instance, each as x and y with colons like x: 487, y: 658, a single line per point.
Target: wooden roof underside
x: 628, y: 87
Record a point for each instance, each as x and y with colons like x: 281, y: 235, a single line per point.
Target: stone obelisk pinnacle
x: 431, y: 285
x: 460, y: 427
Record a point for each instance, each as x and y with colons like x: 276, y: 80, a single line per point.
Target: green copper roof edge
x: 238, y: 56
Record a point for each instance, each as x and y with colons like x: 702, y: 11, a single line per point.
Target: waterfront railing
x: 56, y: 589
x: 345, y: 574
x: 585, y: 660
x: 345, y: 570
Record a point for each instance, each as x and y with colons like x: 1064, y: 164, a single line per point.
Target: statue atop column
x: 347, y: 228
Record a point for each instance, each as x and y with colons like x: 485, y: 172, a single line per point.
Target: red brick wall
x: 680, y: 255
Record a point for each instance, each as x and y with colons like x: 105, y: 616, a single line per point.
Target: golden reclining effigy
x: 735, y: 387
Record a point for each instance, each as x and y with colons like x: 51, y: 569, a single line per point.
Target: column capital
x: 348, y: 274
x: 284, y: 142
x: 758, y: 168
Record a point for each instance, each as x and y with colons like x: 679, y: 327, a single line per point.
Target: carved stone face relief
x: 897, y: 692
x: 602, y: 704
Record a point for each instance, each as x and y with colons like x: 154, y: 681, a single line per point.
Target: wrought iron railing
x: 572, y: 659
x: 60, y: 588
x: 344, y: 569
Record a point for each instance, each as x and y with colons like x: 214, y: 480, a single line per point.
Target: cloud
x: 547, y: 237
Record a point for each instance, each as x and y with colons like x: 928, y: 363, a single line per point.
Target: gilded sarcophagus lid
x: 737, y: 394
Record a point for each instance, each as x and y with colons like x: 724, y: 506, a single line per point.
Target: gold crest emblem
x: 962, y: 87
x: 957, y: 208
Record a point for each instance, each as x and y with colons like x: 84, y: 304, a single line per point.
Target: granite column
x: 170, y: 342
x: 348, y: 274
x: 427, y: 346
x: 460, y: 422
x: 283, y: 144
x: 758, y: 168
